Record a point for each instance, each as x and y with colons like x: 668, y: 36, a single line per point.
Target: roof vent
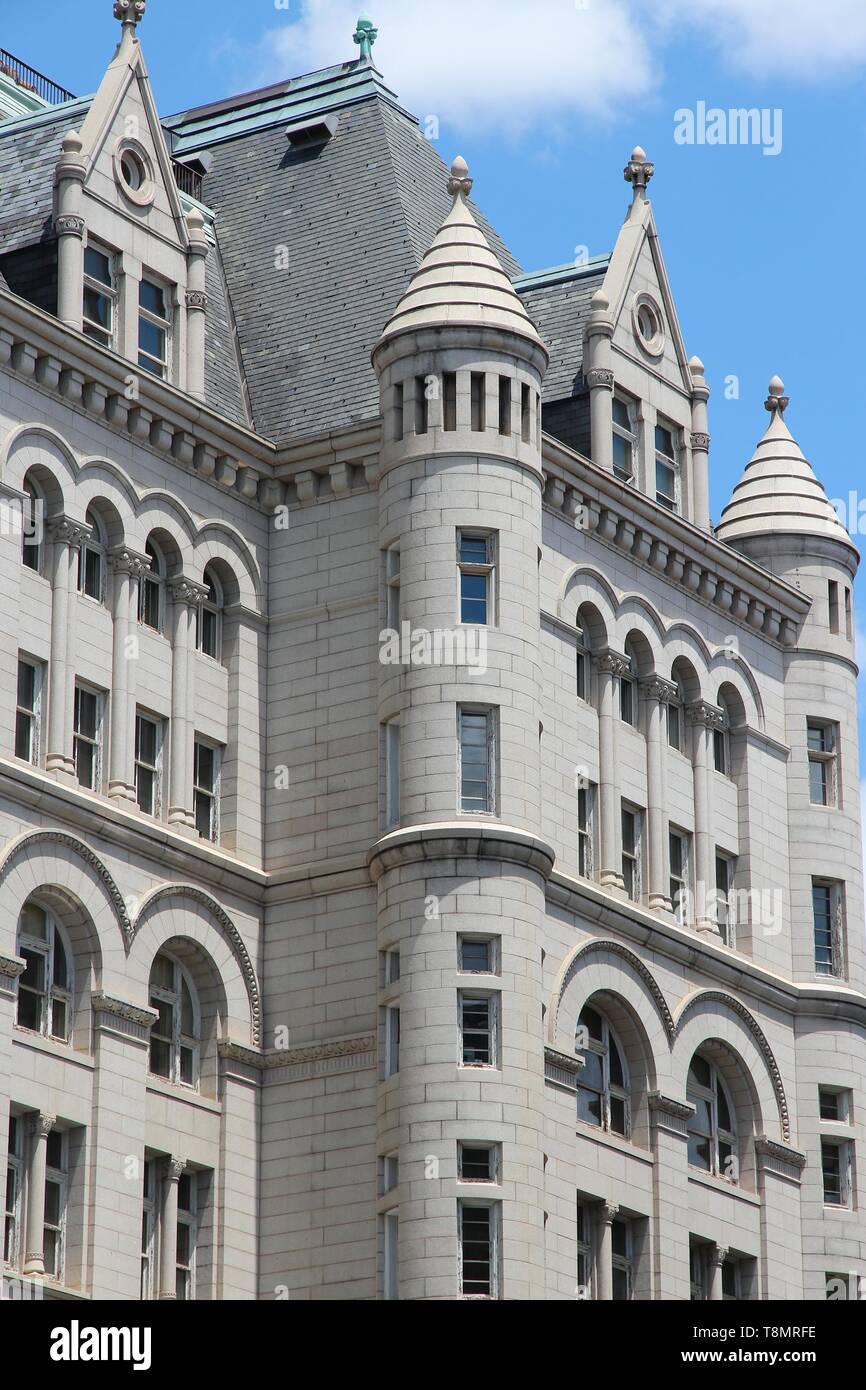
x: 315, y: 132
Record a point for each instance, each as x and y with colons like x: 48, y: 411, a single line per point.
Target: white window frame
x: 827, y: 758
x: 179, y: 1042
x: 392, y: 773
x: 842, y: 1096
x: 188, y: 1219
x: 60, y: 1177
x: 50, y: 993
x: 726, y: 902
x: 152, y: 579
x: 844, y: 1148
x: 586, y: 802
x: 609, y: 1089
x: 491, y: 942
x: 836, y: 965
x: 13, y: 1204
x: 211, y: 793
x: 148, y: 1229
x: 636, y: 856
x: 96, y: 742
x: 213, y: 606
x: 392, y: 1040
x: 490, y: 716
x: 34, y: 715
x: 494, y: 1152
x: 629, y: 436
x: 671, y: 462
x: 717, y: 1135
x: 97, y: 546
x: 484, y: 569
x: 106, y: 338
x: 142, y: 717
x: 494, y: 1210
x: 163, y: 325
x: 392, y: 587
x: 466, y: 996
x: 680, y: 884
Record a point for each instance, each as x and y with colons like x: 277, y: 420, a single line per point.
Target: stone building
x: 429, y: 849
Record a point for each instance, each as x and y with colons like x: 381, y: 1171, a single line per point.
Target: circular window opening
x: 647, y: 323
x: 133, y: 171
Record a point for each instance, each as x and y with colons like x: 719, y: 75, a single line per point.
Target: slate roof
x: 558, y: 301
x: 29, y: 150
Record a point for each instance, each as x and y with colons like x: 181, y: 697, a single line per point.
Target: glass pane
x: 589, y: 1106
x: 664, y: 441
x: 51, y: 1253
x: 620, y: 1285
x: 725, y: 1121
x: 160, y: 1057
x: 204, y: 815
x: 700, y: 1073
x: 162, y: 973
x: 184, y: 1193
x: 182, y: 1244
x: 29, y: 1011
x: 61, y: 966
x: 617, y: 1115
x: 187, y: 1066
x: 617, y: 1071
x: 151, y: 339
x: 701, y: 1121
x: 23, y: 736
x: 475, y: 955
x: 187, y: 1023
x: 829, y: 1105
x: 621, y: 457
x: 209, y: 629
x: 473, y: 550
x: 204, y: 767
x: 85, y: 763
x: 97, y: 308
x: 152, y: 298
x: 476, y: 1164
x: 146, y: 737
x: 145, y: 784
x: 34, y: 922
x: 592, y: 1074
x: 26, y: 685
x: 620, y: 414
x: 818, y: 783
x: 92, y: 573
x: 619, y: 1238
x: 86, y: 713
x: 52, y: 1203
x: 97, y: 265
x: 473, y: 598
x: 34, y: 973
x: 628, y: 832
x: 729, y: 1279
x: 699, y: 1152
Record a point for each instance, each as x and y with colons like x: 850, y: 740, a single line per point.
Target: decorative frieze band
x: 121, y: 1008
x: 311, y: 1059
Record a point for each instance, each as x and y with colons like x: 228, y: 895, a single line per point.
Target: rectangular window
x: 822, y: 742
x: 14, y: 1173
x: 624, y: 441
x: 206, y: 771
x: 392, y: 587
x: 390, y: 1172
x: 398, y: 411
x: 585, y: 815
x: 100, y: 296
x: 477, y: 955
x: 28, y: 711
x: 478, y: 1019
x: 477, y: 754
x: 836, y: 1170
x: 525, y: 414
x: 827, y: 917
x: 505, y: 405
x: 667, y: 469
x: 725, y: 898
x: 631, y: 850
x: 833, y: 604
x: 148, y: 763
x: 56, y: 1188
x: 721, y: 752
x: 392, y: 1259
x: 477, y: 1162
x: 678, y: 844
x: 148, y: 1225
x: 87, y: 737
x: 186, y: 1237
x: 834, y: 1104
x: 422, y: 405
x: 392, y: 774
x: 449, y: 401
x: 675, y: 725
x: 391, y: 970
x: 154, y: 327
x: 698, y: 1271
x: 628, y: 700
x: 475, y: 560
x: 731, y: 1281
x: 582, y: 664
x: 584, y: 1251
x: 392, y: 1041
x: 621, y: 1260
x: 849, y: 616
x: 479, y: 1275
x: 479, y: 401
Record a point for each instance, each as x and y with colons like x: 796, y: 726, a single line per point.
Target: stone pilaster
x: 612, y: 666
x: 705, y: 718
x: 669, y: 1134
x: 658, y: 694
x: 127, y: 568
x: 65, y: 537
x: 186, y: 596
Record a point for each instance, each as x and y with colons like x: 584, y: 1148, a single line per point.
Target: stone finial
x: 130, y: 13
x: 365, y: 36
x: 460, y: 184
x: 72, y: 143
x: 776, y: 400
x: 599, y: 304
x: 638, y: 172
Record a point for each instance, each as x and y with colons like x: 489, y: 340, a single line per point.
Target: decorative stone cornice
x: 121, y: 1008
x: 83, y: 851
x: 459, y: 840
x: 615, y: 948
x: 562, y: 1070
x: 661, y: 1104
x: 778, y: 1153
x: 68, y: 224
x: 599, y: 376
x: 708, y: 716
x: 11, y: 967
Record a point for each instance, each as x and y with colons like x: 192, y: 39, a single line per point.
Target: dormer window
x: 623, y: 440
x: 154, y: 323
x: 667, y: 469
x: 100, y: 296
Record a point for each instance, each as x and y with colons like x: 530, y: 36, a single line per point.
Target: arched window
x: 712, y: 1128
x: 150, y: 589
x: 582, y: 661
x: 602, y: 1084
x: 174, y: 1038
x: 45, y: 988
x: 91, y: 560
x: 628, y: 698
x: 209, y: 618
x: 722, y: 741
x: 676, y: 719
x: 32, y: 517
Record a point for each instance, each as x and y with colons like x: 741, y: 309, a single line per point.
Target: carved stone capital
x: 187, y: 591
x: 67, y: 224
x: 126, y: 561
x: 41, y: 1125
x: 609, y: 1212
x: 700, y: 441
x: 175, y: 1168
x: 611, y: 663
x: 599, y: 376
x: 657, y: 688
x: 63, y: 531
x: 197, y: 299
x: 709, y: 716
x: 719, y: 1255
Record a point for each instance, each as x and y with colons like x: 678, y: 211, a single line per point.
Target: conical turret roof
x: 460, y: 282
x: 779, y: 492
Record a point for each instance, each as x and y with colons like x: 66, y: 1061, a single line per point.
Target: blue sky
x: 546, y: 102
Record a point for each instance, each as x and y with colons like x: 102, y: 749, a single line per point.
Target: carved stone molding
x: 63, y: 531
x: 197, y: 299
x: 657, y: 688
x: 41, y: 1124
x: 459, y: 840
x: 611, y: 663
x: 708, y: 716
x: 636, y: 964
x: 121, y: 1008
x: 780, y: 1153
x: 562, y: 1070
x: 183, y: 590
x: 11, y: 967
x: 67, y: 224
x: 609, y: 1212
x: 126, y: 561
x: 83, y: 851
x: 666, y: 1105
x: 700, y: 440
x: 175, y: 1168
x: 716, y: 996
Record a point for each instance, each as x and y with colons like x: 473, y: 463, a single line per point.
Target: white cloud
x: 509, y: 63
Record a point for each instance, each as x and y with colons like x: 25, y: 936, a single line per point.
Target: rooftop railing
x: 32, y: 80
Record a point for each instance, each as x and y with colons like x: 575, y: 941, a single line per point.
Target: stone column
x: 186, y: 597
x: 705, y: 718
x: 611, y: 666
x: 599, y: 379
x: 658, y: 693
x: 700, y: 446
x: 66, y: 537
x: 718, y: 1255
x: 607, y: 1214
x: 69, y: 225
x: 168, y: 1229
x: 34, y: 1245
x: 779, y: 1181
x: 127, y: 568
x: 669, y: 1135
x: 196, y: 304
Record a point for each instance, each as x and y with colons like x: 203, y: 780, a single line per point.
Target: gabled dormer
x: 130, y: 264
